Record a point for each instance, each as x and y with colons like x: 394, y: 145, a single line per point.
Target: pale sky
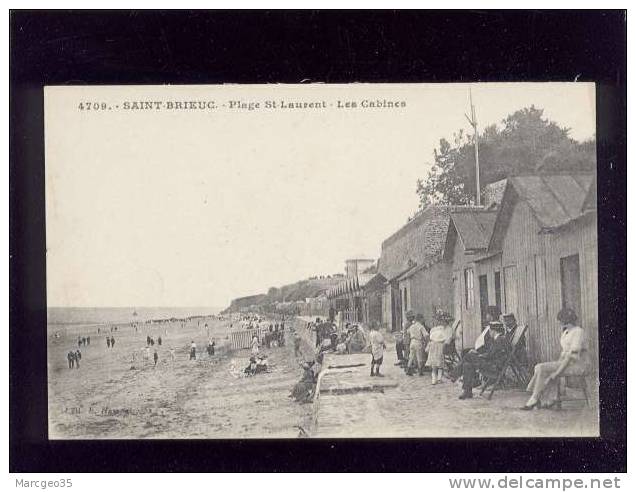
x: 194, y: 208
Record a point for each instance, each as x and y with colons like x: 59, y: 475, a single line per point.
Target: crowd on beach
x: 74, y: 356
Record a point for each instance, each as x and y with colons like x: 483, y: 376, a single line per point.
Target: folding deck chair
x: 511, y: 363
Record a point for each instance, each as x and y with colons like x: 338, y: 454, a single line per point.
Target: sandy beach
x: 112, y: 396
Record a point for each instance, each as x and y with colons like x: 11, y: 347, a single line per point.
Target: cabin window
x: 498, y: 290
x: 571, y: 284
x: 469, y: 288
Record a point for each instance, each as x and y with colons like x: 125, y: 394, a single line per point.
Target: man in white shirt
x: 418, y: 337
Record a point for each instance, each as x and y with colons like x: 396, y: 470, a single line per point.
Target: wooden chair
x: 568, y: 382
x: 511, y: 363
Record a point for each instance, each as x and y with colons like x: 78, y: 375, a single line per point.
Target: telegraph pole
x: 473, y: 122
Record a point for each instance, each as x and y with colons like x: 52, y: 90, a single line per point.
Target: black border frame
x: 196, y: 47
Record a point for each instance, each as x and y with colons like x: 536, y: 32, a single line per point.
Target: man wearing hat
x: 488, y: 362
x: 418, y: 337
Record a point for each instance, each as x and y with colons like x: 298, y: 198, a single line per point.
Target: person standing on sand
x: 108, y: 341
x: 148, y: 341
x: 88, y: 340
x: 71, y: 359
x: 193, y: 350
x: 297, y: 340
x: 78, y: 357
x: 112, y: 342
x: 155, y: 357
x: 255, y: 345
x: 376, y: 340
x: 159, y: 341
x: 419, y: 338
x: 172, y: 354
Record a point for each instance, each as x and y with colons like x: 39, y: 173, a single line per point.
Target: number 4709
x: 94, y: 106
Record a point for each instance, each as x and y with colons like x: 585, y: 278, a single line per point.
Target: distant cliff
x: 298, y: 291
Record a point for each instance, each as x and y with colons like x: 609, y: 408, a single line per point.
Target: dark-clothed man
x: 71, y: 359
x: 78, y: 357
x: 488, y: 362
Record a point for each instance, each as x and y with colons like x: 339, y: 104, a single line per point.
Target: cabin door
x: 498, y: 291
x: 571, y: 284
x: 396, y: 309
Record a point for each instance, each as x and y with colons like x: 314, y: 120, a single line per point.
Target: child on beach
x: 255, y: 345
x: 439, y: 335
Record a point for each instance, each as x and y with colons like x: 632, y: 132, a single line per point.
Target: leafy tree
x: 525, y: 142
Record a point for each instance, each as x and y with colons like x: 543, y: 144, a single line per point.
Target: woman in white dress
x: 572, y: 362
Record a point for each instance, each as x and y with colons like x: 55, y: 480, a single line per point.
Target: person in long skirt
x: 572, y: 362
x: 440, y: 334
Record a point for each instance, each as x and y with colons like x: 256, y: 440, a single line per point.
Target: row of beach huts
x: 531, y: 249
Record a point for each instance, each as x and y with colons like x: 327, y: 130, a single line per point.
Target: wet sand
x: 113, y: 397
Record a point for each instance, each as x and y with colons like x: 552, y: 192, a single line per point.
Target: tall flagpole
x: 473, y: 122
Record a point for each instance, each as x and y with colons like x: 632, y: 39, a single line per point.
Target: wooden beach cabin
x: 347, y: 297
x: 544, y: 242
x: 474, y: 284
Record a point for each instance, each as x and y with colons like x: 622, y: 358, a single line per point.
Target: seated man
x: 357, y: 341
x: 488, y: 362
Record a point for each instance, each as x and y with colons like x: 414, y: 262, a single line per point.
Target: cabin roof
x: 350, y: 284
x: 590, y: 201
x: 474, y: 227
x: 376, y: 282
x: 554, y: 200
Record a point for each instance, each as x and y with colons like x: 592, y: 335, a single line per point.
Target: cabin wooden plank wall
x: 461, y: 293
x: 522, y: 254
x: 532, y: 280
x: 578, y: 238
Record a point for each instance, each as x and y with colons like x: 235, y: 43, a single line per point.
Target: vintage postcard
x: 355, y: 260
